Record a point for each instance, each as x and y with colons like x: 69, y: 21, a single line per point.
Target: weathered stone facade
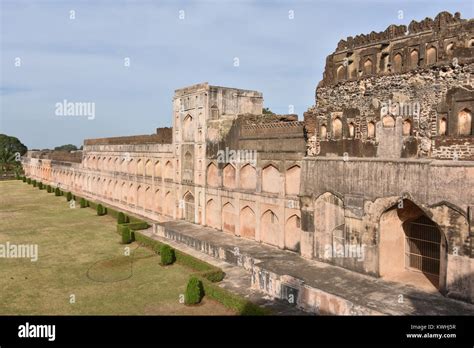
x: 387, y: 147
x: 393, y: 126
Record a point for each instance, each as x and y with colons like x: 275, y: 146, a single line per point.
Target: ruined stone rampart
x: 163, y: 136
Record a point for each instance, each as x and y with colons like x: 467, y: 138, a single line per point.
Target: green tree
x: 67, y: 147
x: 11, y: 149
x: 267, y: 111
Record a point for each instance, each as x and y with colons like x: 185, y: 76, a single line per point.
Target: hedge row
x: 232, y: 301
x: 206, y: 270
x: 207, y: 273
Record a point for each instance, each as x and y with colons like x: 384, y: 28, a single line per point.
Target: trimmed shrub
x: 142, y: 225
x: 232, y: 301
x: 126, y: 235
x: 40, y: 185
x: 83, y: 203
x: 23, y: 179
x: 209, y: 274
x: 167, y: 255
x: 101, y: 210
x: 57, y: 191
x: 112, y: 212
x: 194, y: 291
x: 34, y: 183
x: 28, y: 181
x: 208, y: 271
x: 122, y: 227
x: 49, y: 189
x: 121, y: 218
x: 68, y: 196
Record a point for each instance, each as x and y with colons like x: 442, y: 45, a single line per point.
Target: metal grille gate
x: 423, y: 246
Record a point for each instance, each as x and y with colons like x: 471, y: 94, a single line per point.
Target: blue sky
x: 82, y: 59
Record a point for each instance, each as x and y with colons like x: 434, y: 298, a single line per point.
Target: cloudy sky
x: 47, y: 56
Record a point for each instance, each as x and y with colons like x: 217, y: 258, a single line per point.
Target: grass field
x: 79, y: 253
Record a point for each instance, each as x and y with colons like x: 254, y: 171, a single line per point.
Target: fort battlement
x: 447, y: 39
x: 273, y: 128
x: 60, y: 156
x: 163, y: 136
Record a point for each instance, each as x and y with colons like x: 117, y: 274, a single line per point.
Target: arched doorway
x: 423, y: 247
x: 412, y: 248
x: 189, y: 207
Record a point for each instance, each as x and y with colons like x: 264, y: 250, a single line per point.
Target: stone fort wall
x: 354, y: 172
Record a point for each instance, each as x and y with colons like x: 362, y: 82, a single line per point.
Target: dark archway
x: 412, y: 248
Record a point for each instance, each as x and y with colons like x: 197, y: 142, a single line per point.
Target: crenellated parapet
x: 398, y: 49
x: 401, y: 93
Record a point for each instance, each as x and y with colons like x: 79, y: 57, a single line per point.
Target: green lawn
x: 79, y: 253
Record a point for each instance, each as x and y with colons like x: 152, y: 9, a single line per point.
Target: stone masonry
x: 377, y: 179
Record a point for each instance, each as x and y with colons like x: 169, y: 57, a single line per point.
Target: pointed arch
x: 271, y: 181
x: 157, y: 169
x: 228, y: 218
x: 189, y: 211
x: 270, y: 228
x: 292, y: 180
x: 229, y: 176
x: 397, y: 63
x: 431, y: 55
x: 368, y: 67
x: 248, y: 223
x: 148, y: 168
x: 148, y: 198
x: 188, y: 128
x: 140, y: 167
x: 248, y: 177
x: 293, y: 233
x: 414, y: 59
x: 212, y: 175
x: 212, y: 214
x: 168, y: 172
x: 337, y: 128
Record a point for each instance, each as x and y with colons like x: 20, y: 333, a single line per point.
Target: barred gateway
x: 397, y: 187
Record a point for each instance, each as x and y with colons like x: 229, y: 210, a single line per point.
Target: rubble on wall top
x: 441, y: 21
x: 252, y: 119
